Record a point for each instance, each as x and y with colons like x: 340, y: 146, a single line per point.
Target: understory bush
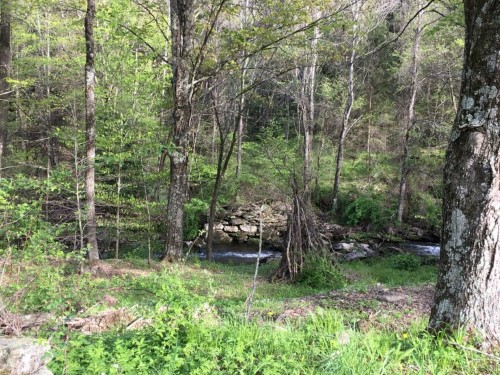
x: 407, y: 262
x: 321, y: 272
x: 367, y: 209
x: 195, y: 212
x: 24, y: 231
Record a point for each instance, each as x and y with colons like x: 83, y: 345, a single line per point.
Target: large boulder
x: 23, y: 356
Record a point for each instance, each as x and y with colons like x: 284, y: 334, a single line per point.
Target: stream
x: 247, y: 253
x: 417, y: 248
x: 238, y: 253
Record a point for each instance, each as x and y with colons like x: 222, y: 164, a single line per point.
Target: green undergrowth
x: 393, y: 271
x: 196, y: 322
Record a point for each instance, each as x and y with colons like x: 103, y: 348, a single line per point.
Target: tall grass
x: 196, y: 329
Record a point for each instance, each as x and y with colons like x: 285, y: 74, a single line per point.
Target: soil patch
x: 391, y: 308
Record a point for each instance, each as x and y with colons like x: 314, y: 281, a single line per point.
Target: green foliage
x: 427, y: 209
x: 195, y: 212
x: 190, y: 332
x: 367, y: 210
x: 407, y: 262
x: 372, y: 271
x: 321, y: 272
x: 24, y: 231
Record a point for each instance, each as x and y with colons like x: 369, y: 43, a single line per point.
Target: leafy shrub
x: 195, y: 212
x: 320, y: 272
x: 407, y: 262
x: 427, y: 209
x: 23, y: 226
x: 367, y: 210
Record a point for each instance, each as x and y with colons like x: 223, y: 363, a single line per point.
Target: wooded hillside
x: 353, y: 101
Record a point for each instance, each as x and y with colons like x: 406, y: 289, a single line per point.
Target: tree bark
x: 241, y: 120
x: 5, y: 62
x: 346, y: 127
x: 468, y: 287
x: 182, y: 31
x: 223, y: 158
x: 410, y: 121
x: 308, y: 114
x: 90, y: 134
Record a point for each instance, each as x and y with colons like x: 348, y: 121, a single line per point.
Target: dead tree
x: 302, y: 236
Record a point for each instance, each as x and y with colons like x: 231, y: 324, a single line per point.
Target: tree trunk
x: 308, y: 112
x: 405, y: 167
x: 90, y: 130
x: 5, y: 62
x: 76, y: 163
x: 182, y: 29
x: 175, y: 207
x: 348, y: 108
x: 338, y: 167
x: 241, y: 121
x: 468, y: 287
x: 222, y: 164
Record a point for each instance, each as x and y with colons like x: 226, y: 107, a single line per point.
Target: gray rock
x: 392, y: 297
x: 237, y: 221
x: 220, y: 236
x: 23, y: 356
x: 344, y: 246
x: 231, y: 229
x: 248, y: 228
x: 239, y: 237
x: 359, y: 254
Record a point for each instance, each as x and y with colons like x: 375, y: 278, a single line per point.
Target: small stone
x: 344, y: 246
x: 109, y: 300
x: 392, y: 297
x: 359, y: 254
x: 344, y: 338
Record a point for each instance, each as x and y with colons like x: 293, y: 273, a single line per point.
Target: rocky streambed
x: 236, y: 236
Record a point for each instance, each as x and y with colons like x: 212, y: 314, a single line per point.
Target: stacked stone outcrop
x: 242, y: 223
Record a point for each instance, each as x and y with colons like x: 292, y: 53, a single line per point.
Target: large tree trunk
x: 410, y: 119
x: 181, y: 27
x: 5, y: 62
x: 468, y: 288
x: 90, y: 130
x: 175, y: 207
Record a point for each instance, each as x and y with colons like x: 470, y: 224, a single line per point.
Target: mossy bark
x: 468, y: 289
x: 182, y: 31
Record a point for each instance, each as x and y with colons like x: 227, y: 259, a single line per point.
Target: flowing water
x: 420, y: 248
x: 247, y: 253
x: 238, y: 253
